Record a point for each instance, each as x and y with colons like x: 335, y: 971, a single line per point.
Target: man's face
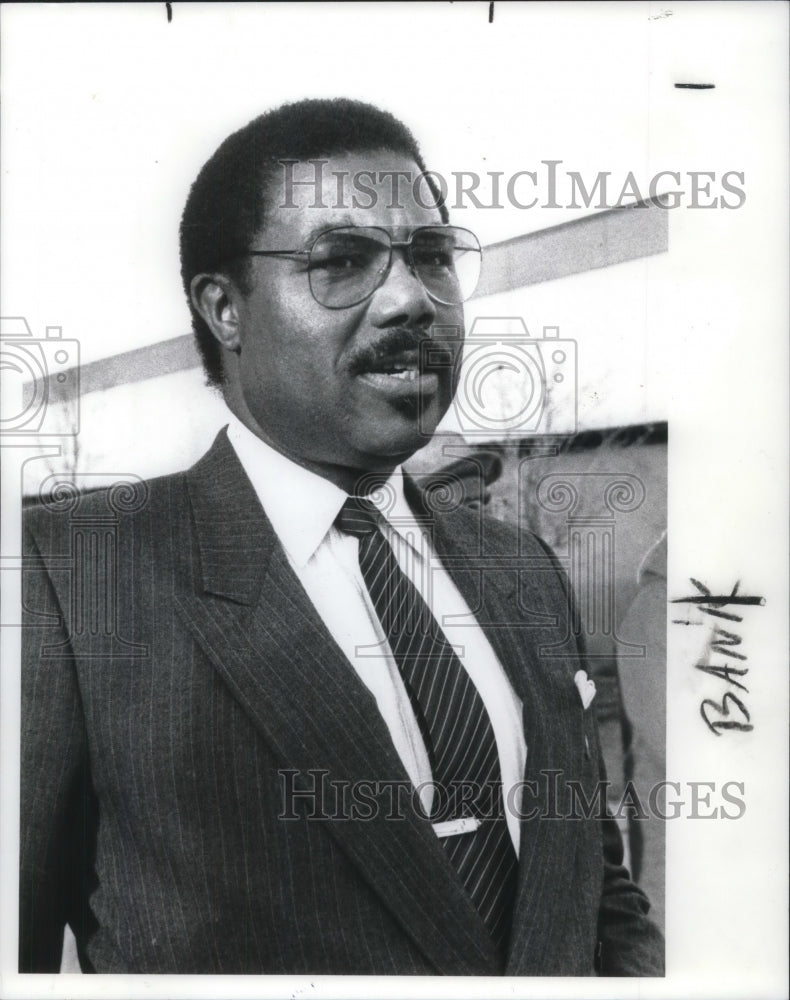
x: 339, y: 388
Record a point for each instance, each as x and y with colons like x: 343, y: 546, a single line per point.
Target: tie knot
x: 358, y: 517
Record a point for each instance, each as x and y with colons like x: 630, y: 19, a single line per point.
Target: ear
x: 215, y: 298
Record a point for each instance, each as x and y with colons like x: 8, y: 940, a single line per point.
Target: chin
x: 383, y: 454
x: 387, y: 440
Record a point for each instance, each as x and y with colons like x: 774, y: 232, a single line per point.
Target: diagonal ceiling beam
x: 600, y: 240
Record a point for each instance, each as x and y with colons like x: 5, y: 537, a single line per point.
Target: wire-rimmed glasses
x: 348, y: 263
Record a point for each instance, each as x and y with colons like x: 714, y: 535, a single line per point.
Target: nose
x: 402, y: 299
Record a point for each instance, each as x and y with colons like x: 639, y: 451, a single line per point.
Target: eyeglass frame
x: 393, y: 244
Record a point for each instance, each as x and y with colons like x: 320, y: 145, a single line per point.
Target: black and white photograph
x: 395, y: 502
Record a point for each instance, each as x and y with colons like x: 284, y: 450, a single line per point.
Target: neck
x: 355, y: 480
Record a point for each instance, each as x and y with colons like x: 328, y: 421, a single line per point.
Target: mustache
x: 389, y: 346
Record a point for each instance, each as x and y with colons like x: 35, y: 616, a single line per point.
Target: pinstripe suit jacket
x: 176, y: 676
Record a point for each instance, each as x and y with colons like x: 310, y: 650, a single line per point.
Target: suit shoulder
x: 497, y: 535
x: 128, y: 497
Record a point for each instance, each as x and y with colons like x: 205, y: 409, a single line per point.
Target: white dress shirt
x: 302, y: 507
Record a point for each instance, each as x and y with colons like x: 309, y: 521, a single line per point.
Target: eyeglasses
x: 347, y: 264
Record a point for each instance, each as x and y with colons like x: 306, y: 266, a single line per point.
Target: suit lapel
x: 255, y: 622
x: 546, y: 689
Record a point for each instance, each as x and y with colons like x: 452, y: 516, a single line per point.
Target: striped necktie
x: 453, y: 719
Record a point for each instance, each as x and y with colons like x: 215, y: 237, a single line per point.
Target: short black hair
x: 225, y: 207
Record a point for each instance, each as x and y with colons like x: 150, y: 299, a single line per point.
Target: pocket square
x: 586, y: 687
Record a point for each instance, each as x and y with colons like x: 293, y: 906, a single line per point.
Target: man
x: 317, y: 733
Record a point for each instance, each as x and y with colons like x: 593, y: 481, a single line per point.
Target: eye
x: 437, y: 257
x: 339, y: 262
x: 345, y: 255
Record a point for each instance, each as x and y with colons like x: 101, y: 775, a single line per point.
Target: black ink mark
x: 721, y: 614
x: 724, y: 673
x: 728, y: 639
x: 726, y: 722
x: 169, y: 12
x: 695, y: 86
x: 705, y: 596
x: 722, y: 642
x: 491, y: 12
x: 720, y: 600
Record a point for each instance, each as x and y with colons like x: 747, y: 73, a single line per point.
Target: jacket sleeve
x: 54, y: 776
x: 629, y: 943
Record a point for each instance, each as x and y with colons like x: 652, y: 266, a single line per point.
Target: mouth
x: 398, y: 373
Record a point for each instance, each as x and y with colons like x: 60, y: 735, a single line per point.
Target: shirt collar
x: 301, y: 505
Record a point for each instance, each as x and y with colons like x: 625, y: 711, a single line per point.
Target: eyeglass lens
x: 348, y: 264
